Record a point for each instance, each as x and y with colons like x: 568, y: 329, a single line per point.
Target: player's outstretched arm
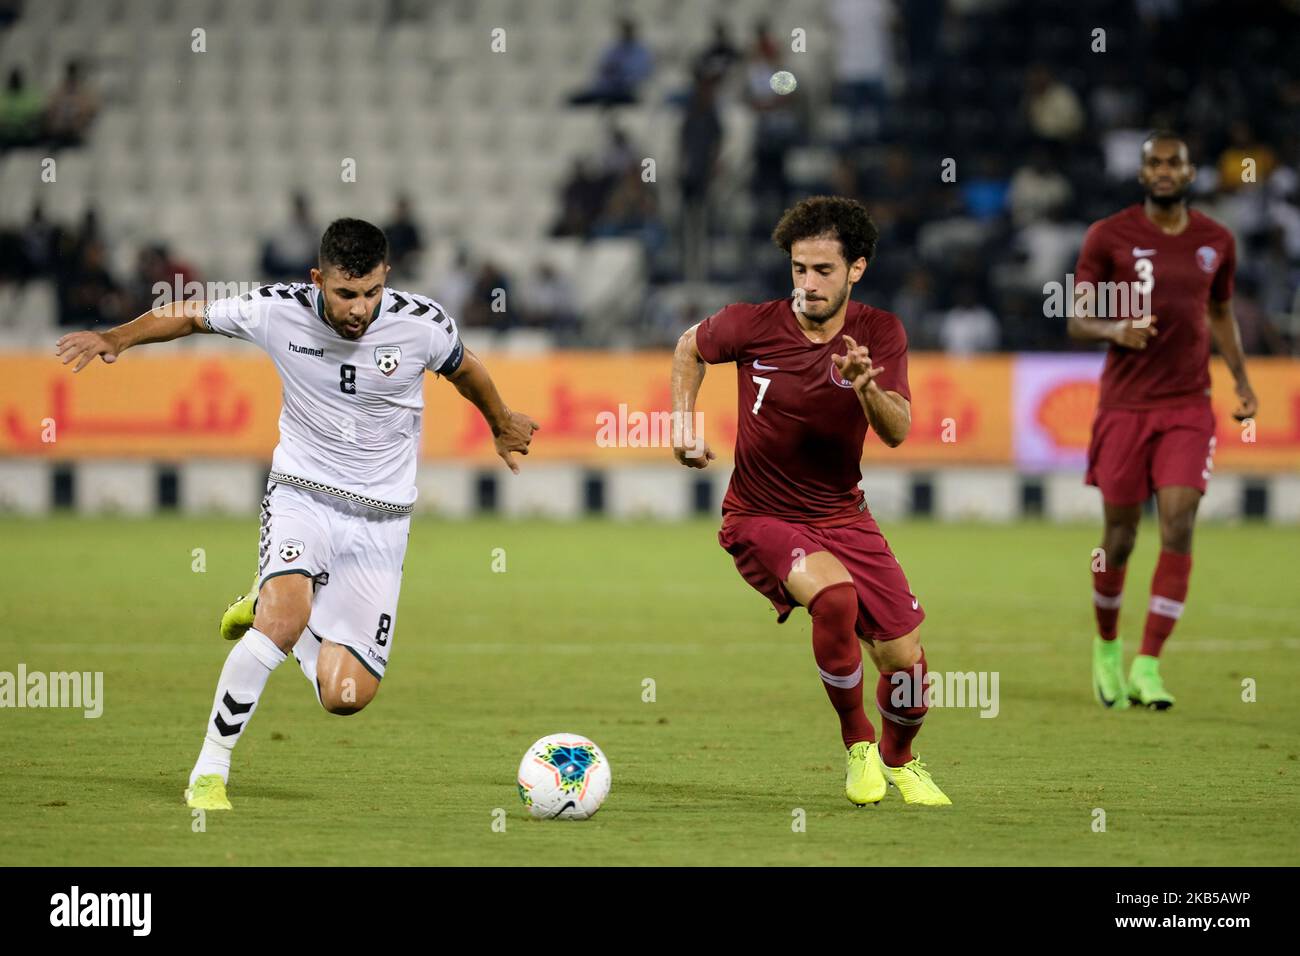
x: 688, y: 375
x: 172, y: 321
x: 1227, y: 336
x: 512, y: 431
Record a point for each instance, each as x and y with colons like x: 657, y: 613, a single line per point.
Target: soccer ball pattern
x: 563, y: 777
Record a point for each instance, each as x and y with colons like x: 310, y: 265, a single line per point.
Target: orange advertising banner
x: 591, y: 406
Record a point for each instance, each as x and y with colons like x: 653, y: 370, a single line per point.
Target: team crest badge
x: 387, y: 357
x: 1207, y: 258
x: 291, y: 549
x: 839, y: 379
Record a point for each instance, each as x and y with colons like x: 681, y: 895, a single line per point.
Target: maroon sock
x: 834, y: 613
x: 900, y: 698
x: 1107, y: 590
x: 1168, y: 592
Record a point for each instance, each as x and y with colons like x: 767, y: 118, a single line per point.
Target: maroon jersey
x: 1183, y: 273
x: 801, y: 426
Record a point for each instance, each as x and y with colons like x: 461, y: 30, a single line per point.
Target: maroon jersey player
x: 814, y: 373
x: 1154, y: 429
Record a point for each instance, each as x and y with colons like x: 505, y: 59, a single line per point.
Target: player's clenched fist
x: 82, y: 347
x: 855, y: 365
x: 692, y: 453
x: 1131, y: 335
x: 516, y: 436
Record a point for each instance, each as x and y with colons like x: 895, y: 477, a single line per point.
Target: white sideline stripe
x: 1166, y: 607
x: 845, y: 682
x: 1106, y: 601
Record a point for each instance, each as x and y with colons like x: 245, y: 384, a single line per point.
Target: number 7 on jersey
x: 762, y: 384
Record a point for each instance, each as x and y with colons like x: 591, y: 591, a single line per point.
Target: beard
x: 1169, y: 199
x: 825, y: 308
x: 341, y: 327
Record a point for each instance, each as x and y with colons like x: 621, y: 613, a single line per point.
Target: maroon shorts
x: 1133, y: 452
x: 765, y: 549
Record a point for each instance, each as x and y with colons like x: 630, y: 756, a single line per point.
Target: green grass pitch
x: 739, y: 738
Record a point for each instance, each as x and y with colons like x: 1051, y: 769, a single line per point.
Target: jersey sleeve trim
x: 454, y: 360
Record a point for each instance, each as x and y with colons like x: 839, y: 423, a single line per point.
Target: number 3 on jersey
x: 1146, y: 273
x: 762, y: 384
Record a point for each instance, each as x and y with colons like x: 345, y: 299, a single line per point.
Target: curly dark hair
x: 354, y: 246
x: 832, y: 217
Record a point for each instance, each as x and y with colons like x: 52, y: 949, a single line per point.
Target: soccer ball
x: 563, y: 777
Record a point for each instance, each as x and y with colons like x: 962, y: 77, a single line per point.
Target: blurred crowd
x: 32, y: 117
x: 983, y: 135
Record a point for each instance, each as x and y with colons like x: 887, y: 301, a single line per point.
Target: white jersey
x: 350, y: 420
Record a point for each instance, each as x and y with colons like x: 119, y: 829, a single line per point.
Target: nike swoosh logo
x: 1102, y: 697
x: 760, y: 367
x: 1139, y: 253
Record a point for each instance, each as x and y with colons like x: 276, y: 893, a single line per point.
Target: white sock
x: 248, y: 666
x: 307, y: 652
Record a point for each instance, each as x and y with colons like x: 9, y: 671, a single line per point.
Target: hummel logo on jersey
x: 1139, y: 253
x: 760, y: 367
x: 387, y: 357
x: 291, y: 548
x: 306, y: 350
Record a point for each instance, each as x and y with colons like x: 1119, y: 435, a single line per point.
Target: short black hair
x: 355, y: 247
x: 833, y: 217
x: 1164, y: 134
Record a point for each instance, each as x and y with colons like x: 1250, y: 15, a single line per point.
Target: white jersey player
x: 351, y: 354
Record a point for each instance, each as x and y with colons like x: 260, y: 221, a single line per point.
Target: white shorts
x: 352, y: 553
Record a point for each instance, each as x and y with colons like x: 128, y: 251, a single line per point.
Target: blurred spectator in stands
x: 451, y: 286
x: 1038, y: 188
x: 716, y: 61
x: 623, y: 67
x: 489, y: 305
x: 22, y: 112
x: 864, y: 58
x: 923, y: 26
x: 1049, y: 248
x: 618, y: 154
x: 699, y: 145
x: 846, y: 177
x: 581, y: 199
x: 986, y: 191
x: 1244, y: 152
x: 588, y: 190
x: 88, y: 293
x: 1115, y: 101
x: 291, y: 252
x: 38, y: 244
x: 968, y: 326
x: 71, y: 109
x: 159, y: 278
x: 9, y: 12
x: 914, y: 306
x: 632, y: 210
x: 550, y: 301
x: 28, y: 252
x: 895, y: 196
x: 778, y: 129
x: 404, y: 241
x: 1052, y: 108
